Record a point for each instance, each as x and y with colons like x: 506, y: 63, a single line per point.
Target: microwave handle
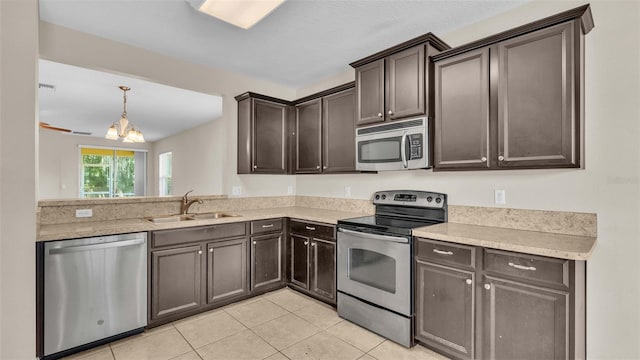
x: 403, y: 150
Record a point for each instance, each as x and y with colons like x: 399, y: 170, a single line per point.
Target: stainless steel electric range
x: 375, y: 268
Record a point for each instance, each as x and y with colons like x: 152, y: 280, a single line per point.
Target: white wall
x: 59, y: 165
x: 18, y: 173
x: 196, y: 160
x: 609, y: 186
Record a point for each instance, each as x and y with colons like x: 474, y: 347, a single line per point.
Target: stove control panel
x: 425, y: 199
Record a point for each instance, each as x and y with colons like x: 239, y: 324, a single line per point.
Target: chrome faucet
x: 186, y: 203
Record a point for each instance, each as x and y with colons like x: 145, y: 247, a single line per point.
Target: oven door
x: 375, y: 268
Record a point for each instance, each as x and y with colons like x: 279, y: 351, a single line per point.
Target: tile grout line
x: 187, y: 341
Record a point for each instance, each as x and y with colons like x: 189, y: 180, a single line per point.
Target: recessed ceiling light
x: 241, y: 13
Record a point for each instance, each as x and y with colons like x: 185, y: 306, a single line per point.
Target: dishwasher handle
x: 91, y: 247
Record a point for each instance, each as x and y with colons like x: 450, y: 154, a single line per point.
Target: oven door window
x: 373, y: 269
x: 380, y: 150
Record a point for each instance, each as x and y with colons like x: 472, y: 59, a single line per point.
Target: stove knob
x: 384, y: 196
x: 429, y: 199
x: 438, y: 200
x: 377, y: 197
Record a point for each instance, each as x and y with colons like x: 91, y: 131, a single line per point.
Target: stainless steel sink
x: 169, y: 219
x: 187, y: 217
x: 212, y: 215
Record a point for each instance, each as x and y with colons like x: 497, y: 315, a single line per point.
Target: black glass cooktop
x: 387, y: 224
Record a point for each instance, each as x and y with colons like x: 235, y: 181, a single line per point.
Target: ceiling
x: 299, y: 43
x: 89, y: 101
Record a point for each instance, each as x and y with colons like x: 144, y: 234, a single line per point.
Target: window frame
x: 112, y: 171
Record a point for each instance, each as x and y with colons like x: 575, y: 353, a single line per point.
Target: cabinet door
x: 299, y: 261
x: 462, y: 111
x: 266, y: 260
x: 269, y: 137
x: 176, y: 280
x: 524, y: 322
x: 339, y: 135
x: 309, y: 137
x: 370, y: 93
x: 445, y: 308
x: 323, y: 269
x: 405, y: 83
x: 536, y: 97
x: 227, y: 269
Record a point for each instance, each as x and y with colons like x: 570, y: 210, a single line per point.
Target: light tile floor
x: 283, y: 324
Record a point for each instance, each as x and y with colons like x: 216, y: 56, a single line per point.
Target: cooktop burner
x: 388, y: 224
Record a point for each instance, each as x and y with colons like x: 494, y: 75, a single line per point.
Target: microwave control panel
x: 415, y: 144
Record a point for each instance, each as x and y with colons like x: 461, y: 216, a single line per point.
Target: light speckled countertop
x: 531, y: 242
x: 99, y: 228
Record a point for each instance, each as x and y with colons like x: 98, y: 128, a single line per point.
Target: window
x: 112, y: 172
x: 164, y: 167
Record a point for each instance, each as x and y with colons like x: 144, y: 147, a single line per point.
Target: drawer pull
x: 469, y: 281
x: 255, y: 242
x: 530, y: 268
x: 267, y: 226
x: 313, y: 244
x: 306, y: 243
x: 487, y: 286
x: 442, y: 252
x: 211, y: 250
x: 199, y: 252
x: 309, y: 228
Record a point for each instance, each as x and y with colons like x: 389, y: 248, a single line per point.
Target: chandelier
x: 123, y: 129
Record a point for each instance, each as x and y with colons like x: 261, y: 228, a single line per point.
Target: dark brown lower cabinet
x: 176, y: 280
x: 266, y: 261
x: 445, y: 304
x: 524, y: 322
x: 227, y: 269
x: 312, y: 262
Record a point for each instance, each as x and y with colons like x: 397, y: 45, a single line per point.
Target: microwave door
x: 388, y: 151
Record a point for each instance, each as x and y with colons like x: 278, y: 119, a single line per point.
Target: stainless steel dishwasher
x: 94, y: 289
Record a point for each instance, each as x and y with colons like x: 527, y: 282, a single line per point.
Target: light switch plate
x: 500, y: 197
x: 347, y: 191
x: 236, y: 190
x: 84, y: 213
x: 290, y: 189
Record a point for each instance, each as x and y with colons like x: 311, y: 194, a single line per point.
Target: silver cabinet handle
x: 379, y: 115
x: 469, y: 281
x: 442, y: 252
x: 484, y: 159
x: 255, y: 242
x: 530, y: 268
x: 487, y: 286
x: 318, y: 167
x: 309, y: 228
x: 267, y: 226
x: 200, y: 252
x: 324, y: 167
x: 211, y: 250
x: 306, y: 242
x: 255, y: 166
x: 501, y: 158
x: 313, y: 244
x: 390, y: 112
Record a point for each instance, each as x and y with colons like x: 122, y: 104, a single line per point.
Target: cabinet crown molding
x: 430, y: 38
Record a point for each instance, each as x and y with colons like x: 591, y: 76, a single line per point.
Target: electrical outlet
x: 347, y: 191
x: 500, y: 197
x: 84, y: 213
x: 290, y: 189
x: 236, y: 190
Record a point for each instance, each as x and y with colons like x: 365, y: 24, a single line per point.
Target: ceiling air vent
x: 47, y: 86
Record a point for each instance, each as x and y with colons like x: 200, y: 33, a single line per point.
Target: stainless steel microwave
x: 400, y: 145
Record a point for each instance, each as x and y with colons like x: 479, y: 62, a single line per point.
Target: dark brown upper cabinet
x: 514, y: 100
x: 325, y: 132
x: 263, y: 134
x: 394, y: 84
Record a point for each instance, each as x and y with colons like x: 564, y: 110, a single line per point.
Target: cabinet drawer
x: 187, y: 235
x: 527, y: 267
x: 313, y: 229
x: 265, y: 226
x: 447, y: 253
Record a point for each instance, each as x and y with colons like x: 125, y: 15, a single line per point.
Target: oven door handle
x: 403, y: 150
x: 396, y: 239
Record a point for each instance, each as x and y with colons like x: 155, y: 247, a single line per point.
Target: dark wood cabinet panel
x: 323, y: 269
x: 299, y: 248
x: 176, y: 280
x: 269, y: 145
x: 524, y: 322
x: 266, y: 260
x: 309, y: 137
x: 462, y: 111
x: 445, y: 300
x: 338, y: 124
x: 405, y: 83
x: 227, y: 269
x: 536, y: 97
x: 370, y: 88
